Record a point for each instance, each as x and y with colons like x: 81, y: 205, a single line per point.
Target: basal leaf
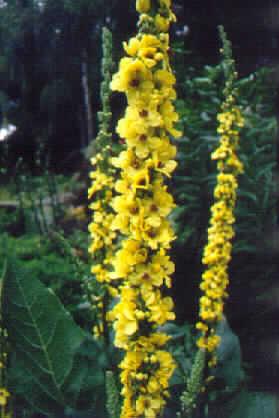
x: 247, y: 404
x: 43, y: 336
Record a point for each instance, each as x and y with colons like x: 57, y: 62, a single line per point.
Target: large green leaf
x: 255, y: 405
x: 247, y: 404
x: 45, y: 340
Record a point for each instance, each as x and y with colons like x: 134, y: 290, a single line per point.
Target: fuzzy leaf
x: 247, y: 404
x: 44, y: 338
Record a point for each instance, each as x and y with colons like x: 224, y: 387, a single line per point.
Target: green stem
x: 42, y: 213
x: 190, y: 397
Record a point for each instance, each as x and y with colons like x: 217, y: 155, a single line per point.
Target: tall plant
x: 101, y: 191
x: 217, y: 252
x: 143, y: 203
x: 4, y: 392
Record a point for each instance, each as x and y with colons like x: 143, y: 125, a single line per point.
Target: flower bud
x: 143, y: 6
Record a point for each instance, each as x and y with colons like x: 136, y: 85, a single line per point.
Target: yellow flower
x: 154, y: 273
x: 148, y: 56
x: 160, y: 308
x: 148, y: 407
x: 126, y: 205
x: 163, y: 149
x: 169, y: 117
x: 126, y: 159
x: 148, y: 40
x: 210, y: 343
x: 143, y: 6
x: 133, y: 78
x: 123, y: 186
x: 140, y: 179
x: 163, y: 78
x: 124, y: 317
x: 145, y: 113
x: 164, y: 167
x: 101, y: 180
x: 164, y: 81
x: 138, y: 136
x: 126, y: 258
x: 4, y: 395
x: 162, y: 23
x: 161, y: 235
x: 132, y: 47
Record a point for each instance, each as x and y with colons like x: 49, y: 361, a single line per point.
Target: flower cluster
x: 146, y: 370
x: 101, y: 233
x: 142, y: 264
x: 4, y: 395
x: 5, y: 408
x: 101, y: 191
x: 217, y: 253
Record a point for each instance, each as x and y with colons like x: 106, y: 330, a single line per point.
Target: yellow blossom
x: 132, y: 47
x: 162, y: 24
x: 142, y: 205
x: 133, y: 77
x: 217, y: 252
x: 4, y: 395
x: 143, y: 6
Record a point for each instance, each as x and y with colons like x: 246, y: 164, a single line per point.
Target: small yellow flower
x: 162, y: 24
x: 133, y: 76
x: 143, y: 6
x: 132, y: 47
x: 4, y: 395
x: 148, y: 56
x: 217, y: 253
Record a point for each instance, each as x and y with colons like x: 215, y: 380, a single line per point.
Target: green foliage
x: 31, y: 204
x: 112, y: 392
x: 229, y: 370
x: 228, y: 63
x: 195, y: 176
x: 246, y: 404
x: 182, y: 347
x: 107, y: 68
x: 7, y: 218
x: 50, y: 365
x: 194, y: 179
x: 194, y: 386
x: 46, y: 259
x: 104, y: 137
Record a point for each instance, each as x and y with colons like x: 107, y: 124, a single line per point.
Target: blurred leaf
x: 243, y: 247
x: 45, y: 341
x: 249, y: 195
x: 249, y: 405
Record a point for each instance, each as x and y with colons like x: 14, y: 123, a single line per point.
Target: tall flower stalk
x: 101, y: 191
x: 4, y: 393
x: 217, y: 253
x: 142, y: 264
x: 5, y: 411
